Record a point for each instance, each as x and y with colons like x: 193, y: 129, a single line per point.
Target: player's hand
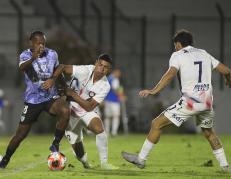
x: 37, y: 51
x: 48, y: 84
x: 144, y: 93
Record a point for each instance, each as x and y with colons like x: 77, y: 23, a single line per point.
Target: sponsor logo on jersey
x: 201, y: 87
x: 177, y: 118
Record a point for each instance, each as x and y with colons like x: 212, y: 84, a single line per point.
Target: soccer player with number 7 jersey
x: 194, y: 67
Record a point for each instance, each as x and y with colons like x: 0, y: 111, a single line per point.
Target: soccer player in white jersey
x: 89, y: 87
x: 195, y: 68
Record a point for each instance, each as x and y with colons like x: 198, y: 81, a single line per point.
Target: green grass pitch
x: 175, y: 157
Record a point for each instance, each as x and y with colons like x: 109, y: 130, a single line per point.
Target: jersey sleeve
x: 214, y: 61
x: 104, y: 90
x: 174, y: 62
x: 24, y: 56
x: 79, y: 71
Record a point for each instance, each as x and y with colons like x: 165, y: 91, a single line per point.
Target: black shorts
x: 31, y: 112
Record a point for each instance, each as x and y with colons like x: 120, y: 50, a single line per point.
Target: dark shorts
x: 31, y: 112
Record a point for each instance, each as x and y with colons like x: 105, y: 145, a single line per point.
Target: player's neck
x: 96, y: 78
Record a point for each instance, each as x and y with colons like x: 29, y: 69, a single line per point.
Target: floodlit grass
x: 175, y: 157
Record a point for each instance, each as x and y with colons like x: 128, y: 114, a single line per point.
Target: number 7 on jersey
x: 200, y: 69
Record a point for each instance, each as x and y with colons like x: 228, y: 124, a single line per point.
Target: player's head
x: 103, y: 65
x: 37, y: 38
x: 182, y: 39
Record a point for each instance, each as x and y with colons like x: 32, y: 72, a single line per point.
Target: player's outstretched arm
x: 56, y: 75
x: 67, y: 69
x: 226, y: 72
x: 165, y: 80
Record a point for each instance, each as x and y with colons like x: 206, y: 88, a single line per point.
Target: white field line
x: 28, y: 166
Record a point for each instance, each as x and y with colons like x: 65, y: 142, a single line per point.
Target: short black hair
x: 36, y: 33
x: 106, y: 58
x: 184, y: 37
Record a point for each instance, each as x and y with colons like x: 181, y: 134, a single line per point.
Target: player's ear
x: 110, y: 70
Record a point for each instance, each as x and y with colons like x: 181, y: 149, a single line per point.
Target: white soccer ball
x: 56, y: 161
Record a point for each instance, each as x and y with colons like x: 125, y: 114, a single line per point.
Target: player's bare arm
x: 51, y: 81
x: 67, y: 69
x: 165, y: 80
x: 88, y: 105
x: 226, y: 72
x: 35, y: 54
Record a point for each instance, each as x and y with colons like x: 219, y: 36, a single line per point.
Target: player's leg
x: 96, y: 126
x: 175, y: 114
x: 115, y: 118
x: 74, y: 136
x: 216, y: 146
x: 205, y: 121
x: 59, y: 108
x: 20, y: 135
x: 80, y: 154
x: 29, y: 115
x: 152, y: 138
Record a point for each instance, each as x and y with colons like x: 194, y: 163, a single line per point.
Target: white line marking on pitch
x: 27, y: 167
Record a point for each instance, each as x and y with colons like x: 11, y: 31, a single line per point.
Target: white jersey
x: 195, y: 68
x: 82, y: 82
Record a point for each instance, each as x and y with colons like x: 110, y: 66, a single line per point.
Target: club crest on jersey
x: 91, y: 94
x: 44, y: 67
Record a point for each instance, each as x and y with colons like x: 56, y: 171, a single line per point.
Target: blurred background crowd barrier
x: 137, y: 34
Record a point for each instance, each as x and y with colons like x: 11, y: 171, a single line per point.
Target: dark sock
x: 79, y: 149
x: 9, y: 153
x: 58, y: 136
x: 6, y: 158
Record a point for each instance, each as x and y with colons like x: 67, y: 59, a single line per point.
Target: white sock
x: 115, y: 125
x: 145, y: 150
x: 220, y: 156
x: 101, y: 143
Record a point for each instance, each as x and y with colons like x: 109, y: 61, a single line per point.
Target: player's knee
x: 96, y: 126
x: 98, y: 129
x: 156, y: 124
x: 65, y: 112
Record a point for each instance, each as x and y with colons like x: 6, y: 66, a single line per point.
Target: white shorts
x: 74, y: 132
x: 111, y: 109
x: 179, y: 113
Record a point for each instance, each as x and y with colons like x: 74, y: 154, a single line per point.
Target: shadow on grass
x: 132, y: 172
x: 217, y: 174
x: 119, y: 172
